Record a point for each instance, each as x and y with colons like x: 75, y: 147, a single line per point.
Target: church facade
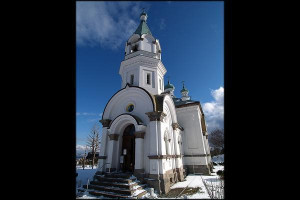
x: 147, y: 130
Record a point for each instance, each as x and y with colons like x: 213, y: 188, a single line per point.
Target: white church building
x: 147, y: 130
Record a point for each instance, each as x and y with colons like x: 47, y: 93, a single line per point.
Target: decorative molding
x: 105, y: 122
x: 139, y: 134
x: 113, y: 136
x: 197, y: 155
x: 156, y: 115
x: 176, y: 125
x: 164, y: 156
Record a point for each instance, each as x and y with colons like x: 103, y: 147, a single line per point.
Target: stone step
x: 118, y: 180
x: 114, y: 184
x: 114, y: 195
x: 118, y: 175
x: 105, y: 194
x: 110, y: 189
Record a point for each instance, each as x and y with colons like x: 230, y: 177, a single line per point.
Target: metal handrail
x: 104, y: 165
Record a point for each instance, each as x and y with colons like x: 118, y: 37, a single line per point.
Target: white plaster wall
x: 192, y: 138
x: 138, y: 97
x: 140, y: 66
x: 147, y: 43
x: 147, y: 150
x: 128, y: 74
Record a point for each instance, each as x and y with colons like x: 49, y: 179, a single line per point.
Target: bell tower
x: 142, y: 64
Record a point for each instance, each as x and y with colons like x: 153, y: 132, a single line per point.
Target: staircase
x: 116, y: 185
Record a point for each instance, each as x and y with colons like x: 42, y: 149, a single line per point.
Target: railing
x: 215, y: 191
x: 142, y: 53
x: 103, y: 166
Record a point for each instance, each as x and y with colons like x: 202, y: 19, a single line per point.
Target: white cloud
x: 108, y: 24
x: 85, y: 114
x: 214, y: 110
x: 80, y: 149
x: 92, y: 120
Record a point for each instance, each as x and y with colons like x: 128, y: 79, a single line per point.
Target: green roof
x: 169, y: 85
x: 183, y: 89
x: 143, y: 29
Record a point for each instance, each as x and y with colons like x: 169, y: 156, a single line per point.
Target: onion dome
x: 184, y: 89
x: 169, y: 86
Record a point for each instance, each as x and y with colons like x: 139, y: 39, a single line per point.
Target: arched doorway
x: 128, y: 149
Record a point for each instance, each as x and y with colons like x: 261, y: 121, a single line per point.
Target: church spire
x: 170, y: 87
x: 143, y: 27
x: 184, y: 93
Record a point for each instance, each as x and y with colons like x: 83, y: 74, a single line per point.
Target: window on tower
x: 160, y: 84
x: 148, y: 78
x: 131, y: 79
x: 135, y: 48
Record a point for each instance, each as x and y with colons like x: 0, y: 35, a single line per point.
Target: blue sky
x: 191, y: 35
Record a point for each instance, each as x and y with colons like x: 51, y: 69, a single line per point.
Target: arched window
x: 166, y: 139
x: 180, y: 143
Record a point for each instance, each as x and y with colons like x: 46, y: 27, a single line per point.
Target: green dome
x: 183, y: 89
x: 169, y: 85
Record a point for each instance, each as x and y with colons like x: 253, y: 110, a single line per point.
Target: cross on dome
x: 183, y: 88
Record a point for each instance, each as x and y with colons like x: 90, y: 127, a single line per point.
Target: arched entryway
x: 128, y: 149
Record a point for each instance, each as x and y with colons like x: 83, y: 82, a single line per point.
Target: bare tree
x: 93, y: 142
x: 216, y: 138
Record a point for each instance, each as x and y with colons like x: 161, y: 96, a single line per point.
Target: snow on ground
x: 218, y: 158
x: 193, y: 181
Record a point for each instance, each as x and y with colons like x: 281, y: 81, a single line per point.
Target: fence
x: 215, y: 188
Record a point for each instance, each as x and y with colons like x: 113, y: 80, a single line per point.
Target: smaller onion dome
x: 184, y: 89
x: 171, y: 86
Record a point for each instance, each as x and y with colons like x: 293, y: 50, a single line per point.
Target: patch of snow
x: 193, y: 181
x: 87, y: 197
x: 137, y: 192
x: 135, y: 187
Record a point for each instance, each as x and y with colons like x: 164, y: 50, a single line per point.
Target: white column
x: 154, y: 48
x: 102, y: 152
x: 156, y: 139
x: 154, y: 165
x: 139, y: 153
x: 140, y: 45
x: 112, y: 147
x: 109, y: 158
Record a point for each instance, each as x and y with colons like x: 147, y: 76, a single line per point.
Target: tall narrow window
x: 148, y: 78
x: 160, y: 84
x: 131, y: 79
